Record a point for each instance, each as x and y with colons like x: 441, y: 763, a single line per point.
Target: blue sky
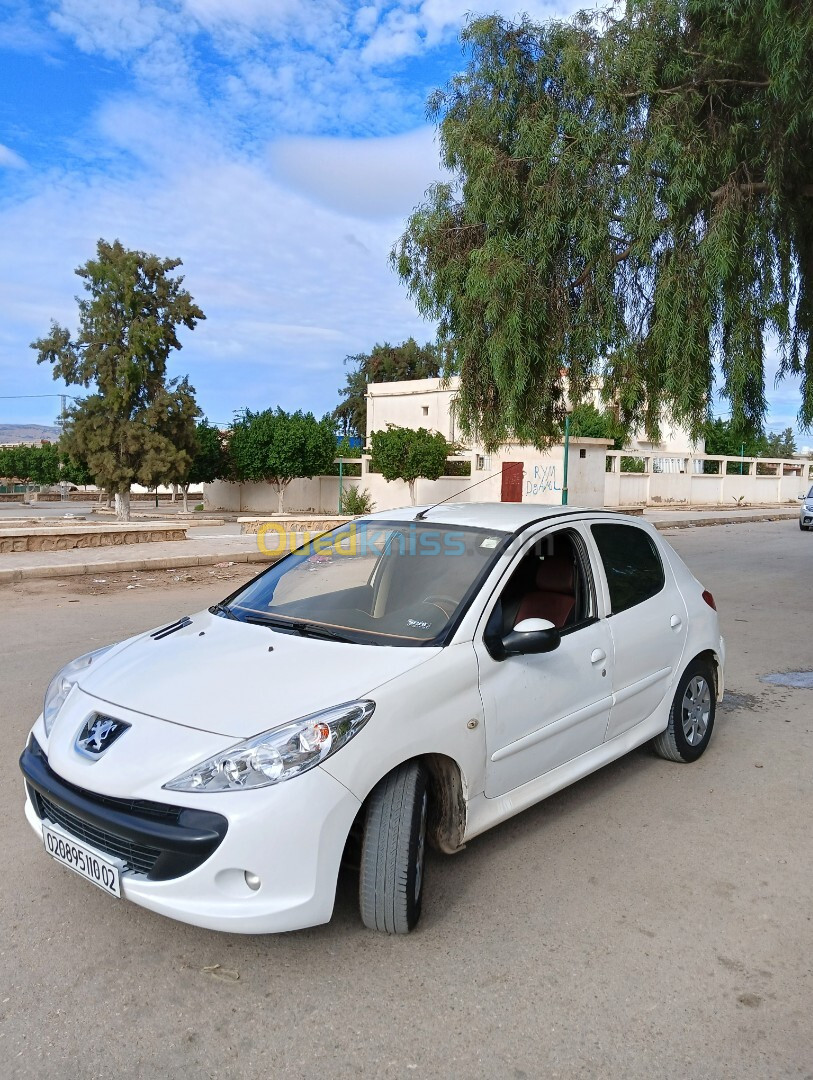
x: 276, y: 146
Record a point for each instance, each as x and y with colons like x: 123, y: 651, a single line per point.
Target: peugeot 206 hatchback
x: 410, y: 677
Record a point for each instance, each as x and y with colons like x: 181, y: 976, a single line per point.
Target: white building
x: 429, y: 403
x: 516, y: 473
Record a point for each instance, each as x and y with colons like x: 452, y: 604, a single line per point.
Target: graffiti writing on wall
x: 540, y: 480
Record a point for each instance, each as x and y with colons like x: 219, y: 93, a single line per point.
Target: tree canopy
x: 30, y: 464
x: 135, y: 425
x: 205, y: 458
x: 277, y: 447
x: 631, y: 200
x: 408, y: 454
x: 384, y: 363
x: 724, y: 437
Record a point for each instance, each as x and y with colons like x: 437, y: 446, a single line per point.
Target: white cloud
x: 366, y: 178
x: 113, y: 28
x: 407, y: 29
x: 9, y: 159
x: 20, y: 30
x: 300, y: 65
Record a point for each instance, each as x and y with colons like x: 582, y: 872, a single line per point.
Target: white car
x: 418, y: 675
x: 806, y: 511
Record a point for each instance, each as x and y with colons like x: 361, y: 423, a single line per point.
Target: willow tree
x: 631, y: 199
x: 137, y: 425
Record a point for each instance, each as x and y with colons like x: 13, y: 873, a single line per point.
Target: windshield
x: 372, y: 582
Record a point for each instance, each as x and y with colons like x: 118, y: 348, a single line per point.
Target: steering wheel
x: 439, y: 601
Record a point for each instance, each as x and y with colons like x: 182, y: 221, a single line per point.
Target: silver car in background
x: 806, y: 510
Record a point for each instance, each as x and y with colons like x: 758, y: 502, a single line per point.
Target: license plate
x: 83, y: 860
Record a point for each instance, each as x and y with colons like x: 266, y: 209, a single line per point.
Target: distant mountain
x: 27, y: 433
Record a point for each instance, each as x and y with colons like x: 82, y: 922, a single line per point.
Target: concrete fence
x: 704, y: 480
x: 595, y: 478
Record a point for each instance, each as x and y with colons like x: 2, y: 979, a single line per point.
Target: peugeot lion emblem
x: 98, y: 734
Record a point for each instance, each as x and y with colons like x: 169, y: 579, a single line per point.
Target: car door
x: 647, y: 617
x: 546, y: 709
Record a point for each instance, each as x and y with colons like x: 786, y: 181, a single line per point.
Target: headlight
x: 61, y: 684
x: 278, y: 754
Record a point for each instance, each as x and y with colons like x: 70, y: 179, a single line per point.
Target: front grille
x: 155, y: 839
x: 142, y: 807
x: 137, y: 858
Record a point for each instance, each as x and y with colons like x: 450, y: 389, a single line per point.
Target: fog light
x: 252, y: 881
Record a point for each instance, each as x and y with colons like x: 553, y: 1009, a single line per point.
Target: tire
x: 393, y: 851
x: 691, y: 718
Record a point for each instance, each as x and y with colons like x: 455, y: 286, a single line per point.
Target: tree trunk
x: 174, y: 495
x: 280, y: 497
x: 185, y: 492
x: 123, y: 505
x: 412, y: 490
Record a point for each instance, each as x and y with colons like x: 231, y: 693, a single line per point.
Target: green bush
x: 355, y: 502
x: 633, y: 464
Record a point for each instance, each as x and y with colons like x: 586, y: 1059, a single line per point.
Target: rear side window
x: 631, y: 562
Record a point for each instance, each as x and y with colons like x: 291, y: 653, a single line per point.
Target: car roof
x: 504, y: 517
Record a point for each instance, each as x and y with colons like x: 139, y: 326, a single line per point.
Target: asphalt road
x: 653, y: 920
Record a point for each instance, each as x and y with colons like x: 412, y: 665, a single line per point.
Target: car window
x: 550, y: 582
x: 631, y: 562
x: 373, y: 582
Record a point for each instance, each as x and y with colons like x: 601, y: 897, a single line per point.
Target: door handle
x: 676, y: 622
x: 597, y: 655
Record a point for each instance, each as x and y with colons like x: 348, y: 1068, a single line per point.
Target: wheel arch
x: 448, y: 792
x: 447, y: 803
x: 712, y: 658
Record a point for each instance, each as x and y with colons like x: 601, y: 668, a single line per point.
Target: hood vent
x: 165, y: 631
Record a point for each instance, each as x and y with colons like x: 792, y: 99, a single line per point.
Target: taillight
x: 709, y: 599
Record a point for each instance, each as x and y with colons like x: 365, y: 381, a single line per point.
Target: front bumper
x: 291, y: 836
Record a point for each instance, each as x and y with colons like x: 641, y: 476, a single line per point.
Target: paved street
x: 654, y: 920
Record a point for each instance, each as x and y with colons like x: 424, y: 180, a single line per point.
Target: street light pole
x: 567, y: 450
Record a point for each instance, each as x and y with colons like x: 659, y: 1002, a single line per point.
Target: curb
x: 698, y: 523
x: 172, y: 562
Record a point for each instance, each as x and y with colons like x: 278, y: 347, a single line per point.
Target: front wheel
x: 393, y: 851
x: 691, y: 718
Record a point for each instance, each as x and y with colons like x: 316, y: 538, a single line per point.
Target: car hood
x: 238, y: 679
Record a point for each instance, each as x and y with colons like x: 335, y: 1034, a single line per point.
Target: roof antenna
x: 421, y: 515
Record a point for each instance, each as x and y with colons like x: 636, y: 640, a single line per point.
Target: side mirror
x: 801, y: 498
x: 531, y: 636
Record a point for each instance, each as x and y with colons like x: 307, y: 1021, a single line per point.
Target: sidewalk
x: 669, y: 518
x: 212, y: 546
x: 204, y: 551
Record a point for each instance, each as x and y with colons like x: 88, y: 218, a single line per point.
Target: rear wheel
x: 691, y: 718
x: 393, y: 851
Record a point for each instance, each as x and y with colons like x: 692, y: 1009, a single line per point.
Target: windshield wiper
x: 222, y: 609
x: 298, y: 626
